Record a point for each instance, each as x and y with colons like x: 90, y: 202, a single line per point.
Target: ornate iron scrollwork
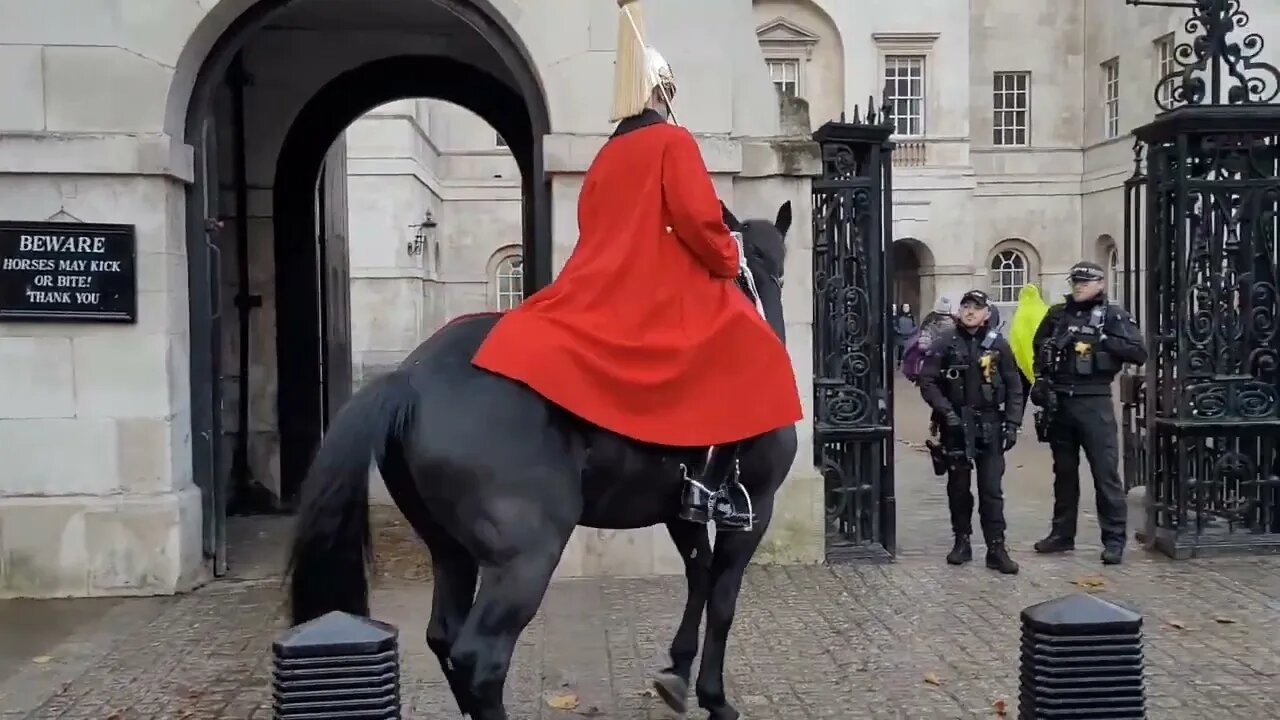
x: 1235, y: 74
x: 1209, y: 427
x: 1202, y: 423
x: 853, y: 435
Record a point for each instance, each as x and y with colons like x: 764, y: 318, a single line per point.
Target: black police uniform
x: 1079, y: 349
x: 970, y: 380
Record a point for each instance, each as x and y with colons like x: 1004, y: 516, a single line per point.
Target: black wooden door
x: 205, y: 287
x: 335, y: 281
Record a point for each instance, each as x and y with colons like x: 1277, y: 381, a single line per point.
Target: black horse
x: 495, y: 478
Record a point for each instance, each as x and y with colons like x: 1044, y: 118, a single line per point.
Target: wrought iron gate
x: 1205, y: 431
x: 1133, y: 402
x: 852, y: 362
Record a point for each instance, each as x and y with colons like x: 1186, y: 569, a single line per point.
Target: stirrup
x: 731, y: 496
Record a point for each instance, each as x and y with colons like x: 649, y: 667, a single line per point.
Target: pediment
x: 782, y: 31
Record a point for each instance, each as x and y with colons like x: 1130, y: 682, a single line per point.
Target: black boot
x: 961, y: 552
x: 998, y: 558
x: 729, y: 504
x: 1054, y: 543
x: 1112, y: 553
x: 695, y: 500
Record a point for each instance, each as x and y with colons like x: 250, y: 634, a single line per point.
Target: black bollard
x: 1081, y: 658
x: 337, y: 667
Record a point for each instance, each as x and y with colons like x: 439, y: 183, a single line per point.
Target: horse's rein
x: 745, y: 274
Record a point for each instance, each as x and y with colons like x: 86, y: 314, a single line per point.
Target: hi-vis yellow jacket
x: 1022, y: 328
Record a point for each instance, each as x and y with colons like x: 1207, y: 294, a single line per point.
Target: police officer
x: 1080, y: 346
x: 970, y: 380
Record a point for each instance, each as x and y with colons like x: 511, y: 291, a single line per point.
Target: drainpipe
x: 241, y: 473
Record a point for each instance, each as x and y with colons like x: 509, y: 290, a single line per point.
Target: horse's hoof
x: 674, y: 691
x: 724, y: 713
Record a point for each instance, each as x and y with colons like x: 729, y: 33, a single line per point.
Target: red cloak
x: 644, y: 331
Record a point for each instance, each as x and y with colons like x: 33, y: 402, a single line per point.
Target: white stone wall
x: 406, y: 158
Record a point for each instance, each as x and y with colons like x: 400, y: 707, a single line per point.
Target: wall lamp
x: 421, y: 231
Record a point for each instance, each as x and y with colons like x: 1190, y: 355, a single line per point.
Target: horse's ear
x: 783, y: 223
x: 728, y: 218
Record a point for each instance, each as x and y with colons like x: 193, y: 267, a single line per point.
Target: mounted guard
x: 645, y: 332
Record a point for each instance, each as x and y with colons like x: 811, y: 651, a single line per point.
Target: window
x: 1010, y: 101
x: 785, y: 75
x: 1113, y: 274
x: 1008, y: 275
x: 509, y: 282
x: 904, y: 82
x: 498, y: 140
x: 1111, y: 98
x: 787, y: 47
x: 1164, y: 68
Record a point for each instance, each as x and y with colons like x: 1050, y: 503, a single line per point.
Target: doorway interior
x: 267, y: 215
x: 912, y: 276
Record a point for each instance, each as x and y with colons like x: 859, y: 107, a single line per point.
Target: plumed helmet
x: 639, y: 68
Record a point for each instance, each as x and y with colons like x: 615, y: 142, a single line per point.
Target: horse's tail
x: 332, y: 546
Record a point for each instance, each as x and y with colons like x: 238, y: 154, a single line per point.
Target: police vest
x: 973, y: 381
x: 1077, y: 342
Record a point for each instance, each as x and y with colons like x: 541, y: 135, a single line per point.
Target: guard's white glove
x: 742, y: 253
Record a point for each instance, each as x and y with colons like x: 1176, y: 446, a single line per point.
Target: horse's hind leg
x: 453, y: 569
x: 509, y: 597
x: 672, y: 683
x: 455, y: 576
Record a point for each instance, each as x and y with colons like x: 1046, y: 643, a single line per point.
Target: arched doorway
x: 267, y: 254
x: 912, y: 275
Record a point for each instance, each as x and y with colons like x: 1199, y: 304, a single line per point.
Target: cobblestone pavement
x: 913, y: 639
x: 916, y: 639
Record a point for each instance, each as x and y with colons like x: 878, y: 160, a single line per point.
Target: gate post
x: 852, y: 356
x: 1211, y: 303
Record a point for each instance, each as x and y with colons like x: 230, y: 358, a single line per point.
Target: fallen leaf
x: 41, y: 660
x: 1177, y: 624
x: 591, y: 711
x: 566, y: 701
x: 932, y: 679
x: 1001, y: 706
x: 1091, y: 582
x: 1223, y: 620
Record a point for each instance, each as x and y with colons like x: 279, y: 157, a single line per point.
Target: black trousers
x: 1087, y: 422
x: 989, y: 462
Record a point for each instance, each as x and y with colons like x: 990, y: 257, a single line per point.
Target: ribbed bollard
x: 1081, y: 658
x: 338, y: 667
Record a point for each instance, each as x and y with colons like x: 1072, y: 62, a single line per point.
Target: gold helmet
x: 639, y: 69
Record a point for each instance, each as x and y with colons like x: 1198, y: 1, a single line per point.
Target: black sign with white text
x: 68, y: 271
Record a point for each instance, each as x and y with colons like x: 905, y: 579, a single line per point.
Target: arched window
x: 508, y: 282
x: 1009, y: 272
x: 1114, y: 278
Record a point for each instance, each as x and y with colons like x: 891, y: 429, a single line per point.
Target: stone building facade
x: 280, y: 259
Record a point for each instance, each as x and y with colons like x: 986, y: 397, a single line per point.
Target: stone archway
x: 912, y: 282
x: 308, y: 69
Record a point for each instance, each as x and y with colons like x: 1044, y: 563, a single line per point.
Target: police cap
x: 977, y: 297
x: 1086, y: 271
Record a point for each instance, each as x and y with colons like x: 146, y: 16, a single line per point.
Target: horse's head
x: 765, y: 244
